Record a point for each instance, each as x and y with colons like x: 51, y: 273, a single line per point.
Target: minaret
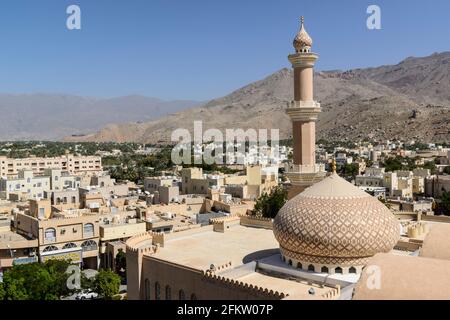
x: 304, y: 112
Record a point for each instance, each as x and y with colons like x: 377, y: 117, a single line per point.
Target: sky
x: 199, y: 49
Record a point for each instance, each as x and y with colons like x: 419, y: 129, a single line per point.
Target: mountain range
x: 53, y: 116
x: 409, y: 100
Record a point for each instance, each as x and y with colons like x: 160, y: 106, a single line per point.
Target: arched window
x: 88, y: 230
x: 157, y: 291
x: 310, y: 267
x: 69, y: 245
x: 352, y: 270
x: 50, y: 234
x: 89, y: 245
x: 50, y: 248
x: 324, y: 269
x: 147, y: 289
x: 168, y: 293
x: 299, y: 265
x: 193, y: 296
x: 338, y: 270
x: 290, y: 262
x: 181, y: 295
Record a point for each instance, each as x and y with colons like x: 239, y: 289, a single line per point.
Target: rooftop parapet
x: 237, y: 284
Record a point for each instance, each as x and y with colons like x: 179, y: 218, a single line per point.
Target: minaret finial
x: 302, y: 41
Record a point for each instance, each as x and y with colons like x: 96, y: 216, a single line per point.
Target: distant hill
x: 49, y: 116
x: 410, y: 100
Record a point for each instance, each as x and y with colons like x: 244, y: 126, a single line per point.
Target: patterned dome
x: 334, y: 224
x: 302, y: 40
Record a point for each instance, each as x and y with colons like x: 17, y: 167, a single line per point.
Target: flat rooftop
x: 12, y: 240
x: 239, y: 244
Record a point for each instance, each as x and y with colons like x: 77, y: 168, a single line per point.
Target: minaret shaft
x: 303, y: 83
x: 304, y: 134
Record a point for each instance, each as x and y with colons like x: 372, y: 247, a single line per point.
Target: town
x: 69, y: 206
x: 105, y: 195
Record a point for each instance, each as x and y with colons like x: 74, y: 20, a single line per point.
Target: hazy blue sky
x: 199, y: 49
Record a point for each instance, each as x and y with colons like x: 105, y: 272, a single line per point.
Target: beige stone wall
x: 253, y: 175
x: 126, y: 230
x: 249, y: 221
x: 161, y: 274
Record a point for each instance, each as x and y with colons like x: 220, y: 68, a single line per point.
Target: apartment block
x: 72, y: 163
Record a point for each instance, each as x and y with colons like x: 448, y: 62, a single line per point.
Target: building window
x: 50, y: 235
x: 69, y: 245
x: 147, y: 289
x: 299, y: 265
x: 324, y: 269
x: 88, y: 230
x: 352, y: 270
x: 89, y: 245
x: 310, y: 267
x: 338, y: 270
x: 50, y: 248
x: 74, y: 199
x: 168, y: 293
x: 181, y: 295
x: 157, y: 291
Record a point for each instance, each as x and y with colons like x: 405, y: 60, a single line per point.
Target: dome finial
x: 302, y: 19
x: 333, y: 165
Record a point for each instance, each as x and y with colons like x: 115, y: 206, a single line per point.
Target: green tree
x: 121, y: 263
x: 36, y: 281
x: 107, y: 284
x: 447, y: 170
x: 445, y: 202
x: 268, y: 205
x: 350, y: 169
x: 430, y: 165
x: 2, y: 292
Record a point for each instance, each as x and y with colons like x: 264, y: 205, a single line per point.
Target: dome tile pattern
x: 335, y: 223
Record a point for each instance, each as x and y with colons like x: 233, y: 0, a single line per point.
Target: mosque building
x: 324, y: 244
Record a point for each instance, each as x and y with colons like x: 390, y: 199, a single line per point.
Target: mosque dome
x: 302, y: 41
x: 334, y: 227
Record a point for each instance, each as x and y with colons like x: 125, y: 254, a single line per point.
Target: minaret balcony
x: 303, y: 60
x: 299, y: 169
x: 303, y: 110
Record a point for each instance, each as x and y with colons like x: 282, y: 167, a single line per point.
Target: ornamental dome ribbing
x: 334, y: 224
x: 302, y: 41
